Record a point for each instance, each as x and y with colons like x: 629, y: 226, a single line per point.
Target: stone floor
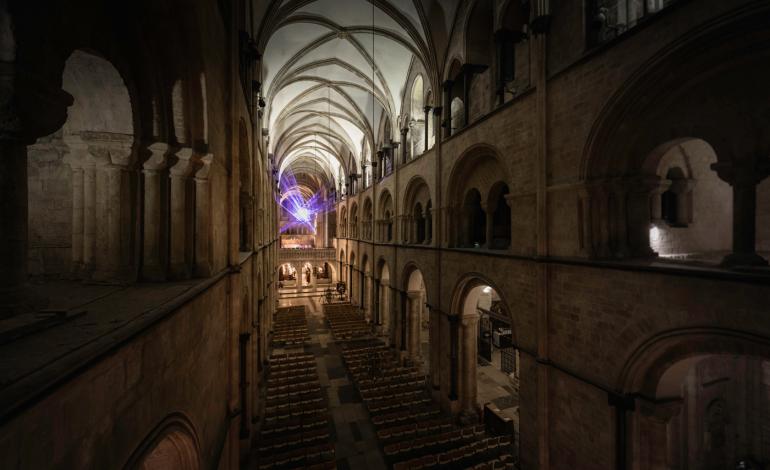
x: 496, y: 387
x: 353, y: 435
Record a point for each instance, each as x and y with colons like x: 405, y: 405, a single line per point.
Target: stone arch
x: 367, y: 220
x: 679, y: 94
x: 477, y: 176
x: 417, y: 198
x: 414, y: 321
x: 353, y: 232
x: 676, y: 378
x: 475, y: 296
x: 343, y: 225
x: 172, y: 444
x: 97, y: 141
x: 386, y: 215
x: 417, y: 117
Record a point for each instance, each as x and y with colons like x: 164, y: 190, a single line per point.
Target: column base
x: 743, y: 259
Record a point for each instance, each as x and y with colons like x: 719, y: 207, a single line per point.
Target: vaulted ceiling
x: 333, y: 70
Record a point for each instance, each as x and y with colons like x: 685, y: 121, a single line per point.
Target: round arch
x: 171, y: 444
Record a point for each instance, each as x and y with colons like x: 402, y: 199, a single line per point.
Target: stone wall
x: 98, y: 418
x: 50, y: 209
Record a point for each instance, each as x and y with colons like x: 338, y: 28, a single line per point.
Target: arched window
x: 417, y: 120
x: 458, y: 114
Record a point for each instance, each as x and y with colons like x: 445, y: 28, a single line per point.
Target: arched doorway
x: 486, y: 371
x: 173, y: 445
x: 704, y: 414
x: 383, y: 317
x: 91, y: 161
x: 415, y: 322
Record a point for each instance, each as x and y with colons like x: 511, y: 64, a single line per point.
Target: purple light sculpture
x: 302, y: 212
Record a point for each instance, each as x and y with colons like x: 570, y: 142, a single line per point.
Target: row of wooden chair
x: 290, y: 326
x: 346, y: 321
x: 295, y: 430
x: 466, y: 456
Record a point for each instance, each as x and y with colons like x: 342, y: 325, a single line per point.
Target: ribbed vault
x: 332, y: 73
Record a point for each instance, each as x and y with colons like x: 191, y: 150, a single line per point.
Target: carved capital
x: 203, y: 172
x: 183, y: 164
x: 158, y: 157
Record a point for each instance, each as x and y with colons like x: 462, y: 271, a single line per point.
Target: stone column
x: 435, y: 348
x: 454, y: 356
x: 414, y: 299
x: 113, y: 227
x: 656, y: 203
x: 89, y: 215
x: 385, y: 317
x: 639, y: 216
x: 743, y: 176
x: 469, y: 359
x: 203, y: 218
x: 427, y: 110
x: 404, y: 133
x: 489, y: 210
x: 77, y: 158
x: 155, y: 215
x: 179, y: 173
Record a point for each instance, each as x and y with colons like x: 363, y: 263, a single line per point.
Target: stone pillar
x: 656, y: 203
x: 203, y: 218
x: 639, y: 216
x: 489, y: 210
x: 77, y: 158
x: 447, y: 95
x: 469, y: 359
x: 112, y: 200
x: 179, y: 173
x: 743, y: 176
x: 404, y: 133
x: 89, y: 215
x: 435, y: 348
x: 155, y: 213
x: 414, y: 301
x: 427, y: 110
x: 454, y: 357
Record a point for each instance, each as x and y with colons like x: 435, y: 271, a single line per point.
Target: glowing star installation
x: 302, y: 212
